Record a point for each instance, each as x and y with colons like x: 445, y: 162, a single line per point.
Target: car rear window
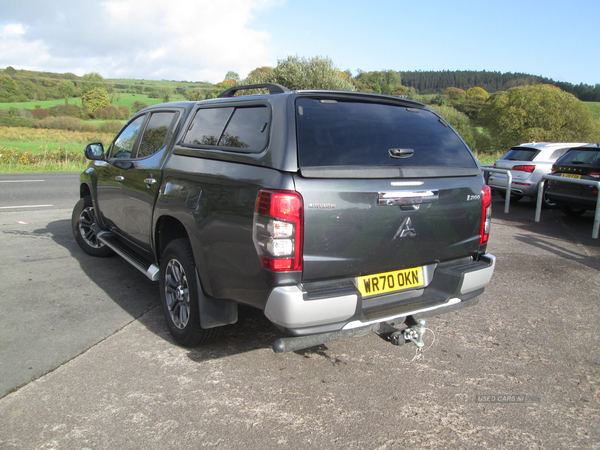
x: 240, y: 129
x: 521, y: 154
x: 347, y: 133
x: 588, y: 157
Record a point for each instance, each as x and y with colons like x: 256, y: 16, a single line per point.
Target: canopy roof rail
x: 273, y: 88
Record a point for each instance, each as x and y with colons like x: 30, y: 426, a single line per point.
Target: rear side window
x: 521, y: 154
x: 243, y: 129
x: 346, y: 133
x: 155, y: 133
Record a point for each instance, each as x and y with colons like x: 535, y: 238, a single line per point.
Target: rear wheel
x: 83, y: 222
x: 179, y: 296
x: 572, y: 212
x: 546, y: 202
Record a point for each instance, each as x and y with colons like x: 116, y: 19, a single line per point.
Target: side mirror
x: 95, y: 151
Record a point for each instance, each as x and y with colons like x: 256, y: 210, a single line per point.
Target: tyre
x: 83, y: 222
x: 572, y: 212
x: 179, y: 296
x: 546, y: 202
x: 513, y: 197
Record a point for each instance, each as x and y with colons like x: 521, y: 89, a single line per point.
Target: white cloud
x: 13, y: 29
x: 180, y: 39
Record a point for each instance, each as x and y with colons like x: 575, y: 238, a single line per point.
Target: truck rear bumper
x: 452, y: 284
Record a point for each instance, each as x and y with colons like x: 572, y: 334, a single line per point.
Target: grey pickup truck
x: 335, y: 213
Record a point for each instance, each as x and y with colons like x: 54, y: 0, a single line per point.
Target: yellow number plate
x: 570, y: 175
x: 382, y: 283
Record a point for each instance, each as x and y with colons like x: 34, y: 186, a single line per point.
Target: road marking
x: 25, y: 206
x: 20, y: 181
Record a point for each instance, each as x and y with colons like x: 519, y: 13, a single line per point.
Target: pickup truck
x: 336, y: 213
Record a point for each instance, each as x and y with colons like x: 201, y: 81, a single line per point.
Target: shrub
x: 112, y: 127
x: 40, y: 113
x: 63, y: 123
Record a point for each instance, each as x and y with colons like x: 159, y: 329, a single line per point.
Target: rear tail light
x: 554, y: 168
x: 278, y: 229
x: 594, y: 174
x: 486, y: 215
x: 524, y: 168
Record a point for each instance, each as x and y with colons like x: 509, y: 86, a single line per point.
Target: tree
x: 537, y: 113
x: 91, y: 81
x: 66, y: 89
x: 385, y: 82
x: 95, y: 99
x: 455, y: 95
x: 232, y: 76
x: 303, y: 73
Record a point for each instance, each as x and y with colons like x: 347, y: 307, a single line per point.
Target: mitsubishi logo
x: 405, y: 229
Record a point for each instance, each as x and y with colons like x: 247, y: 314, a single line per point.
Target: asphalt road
x: 519, y: 370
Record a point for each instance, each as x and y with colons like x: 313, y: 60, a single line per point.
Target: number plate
x: 570, y: 175
x: 383, y: 283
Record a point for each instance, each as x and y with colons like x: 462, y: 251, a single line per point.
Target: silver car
x: 528, y: 163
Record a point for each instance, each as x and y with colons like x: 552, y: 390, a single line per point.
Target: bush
x: 65, y: 123
x: 40, y: 113
x: 111, y: 127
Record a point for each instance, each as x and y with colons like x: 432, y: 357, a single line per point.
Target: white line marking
x: 25, y: 206
x: 20, y: 181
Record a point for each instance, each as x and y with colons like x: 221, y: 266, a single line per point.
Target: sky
x: 202, y: 40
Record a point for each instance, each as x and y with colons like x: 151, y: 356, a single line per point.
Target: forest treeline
x: 436, y: 82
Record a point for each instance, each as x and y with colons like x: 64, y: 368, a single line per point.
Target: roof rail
x: 273, y: 88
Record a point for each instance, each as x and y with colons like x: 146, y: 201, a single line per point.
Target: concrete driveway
x: 521, y: 370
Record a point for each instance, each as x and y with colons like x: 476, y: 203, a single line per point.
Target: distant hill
x: 24, y: 85
x: 435, y: 82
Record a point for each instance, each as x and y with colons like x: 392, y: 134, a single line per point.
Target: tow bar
x: 413, y: 333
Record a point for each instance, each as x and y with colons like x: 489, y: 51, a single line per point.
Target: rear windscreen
x: 346, y: 133
x: 591, y: 157
x: 521, y: 154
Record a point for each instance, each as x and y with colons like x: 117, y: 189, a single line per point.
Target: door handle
x: 150, y: 181
x: 119, y: 178
x: 405, y: 198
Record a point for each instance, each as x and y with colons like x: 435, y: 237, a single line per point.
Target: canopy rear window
x: 347, y: 133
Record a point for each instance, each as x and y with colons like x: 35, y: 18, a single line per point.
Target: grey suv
x: 528, y: 163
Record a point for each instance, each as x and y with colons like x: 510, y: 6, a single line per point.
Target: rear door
x: 385, y: 187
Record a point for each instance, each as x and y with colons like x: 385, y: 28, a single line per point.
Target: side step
x: 150, y: 270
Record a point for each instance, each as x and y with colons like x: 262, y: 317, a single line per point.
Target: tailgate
x: 355, y: 227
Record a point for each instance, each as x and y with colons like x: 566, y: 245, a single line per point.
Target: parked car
x: 582, y: 163
x: 528, y: 163
x: 336, y: 213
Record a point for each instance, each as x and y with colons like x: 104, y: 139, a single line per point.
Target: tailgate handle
x: 401, y: 198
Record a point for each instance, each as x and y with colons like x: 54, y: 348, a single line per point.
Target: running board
x: 150, y: 270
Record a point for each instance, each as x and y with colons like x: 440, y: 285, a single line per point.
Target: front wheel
x: 179, y: 296
x: 83, y: 222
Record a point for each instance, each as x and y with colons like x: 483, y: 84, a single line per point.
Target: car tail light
x: 278, y: 229
x: 594, y: 174
x: 486, y: 215
x: 554, y: 168
x: 524, y: 168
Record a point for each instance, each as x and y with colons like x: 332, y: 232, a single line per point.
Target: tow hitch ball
x: 414, y: 334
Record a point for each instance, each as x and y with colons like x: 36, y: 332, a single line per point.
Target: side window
x: 123, y: 144
x: 207, y: 126
x: 228, y: 128
x: 155, y: 133
x: 558, y: 153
